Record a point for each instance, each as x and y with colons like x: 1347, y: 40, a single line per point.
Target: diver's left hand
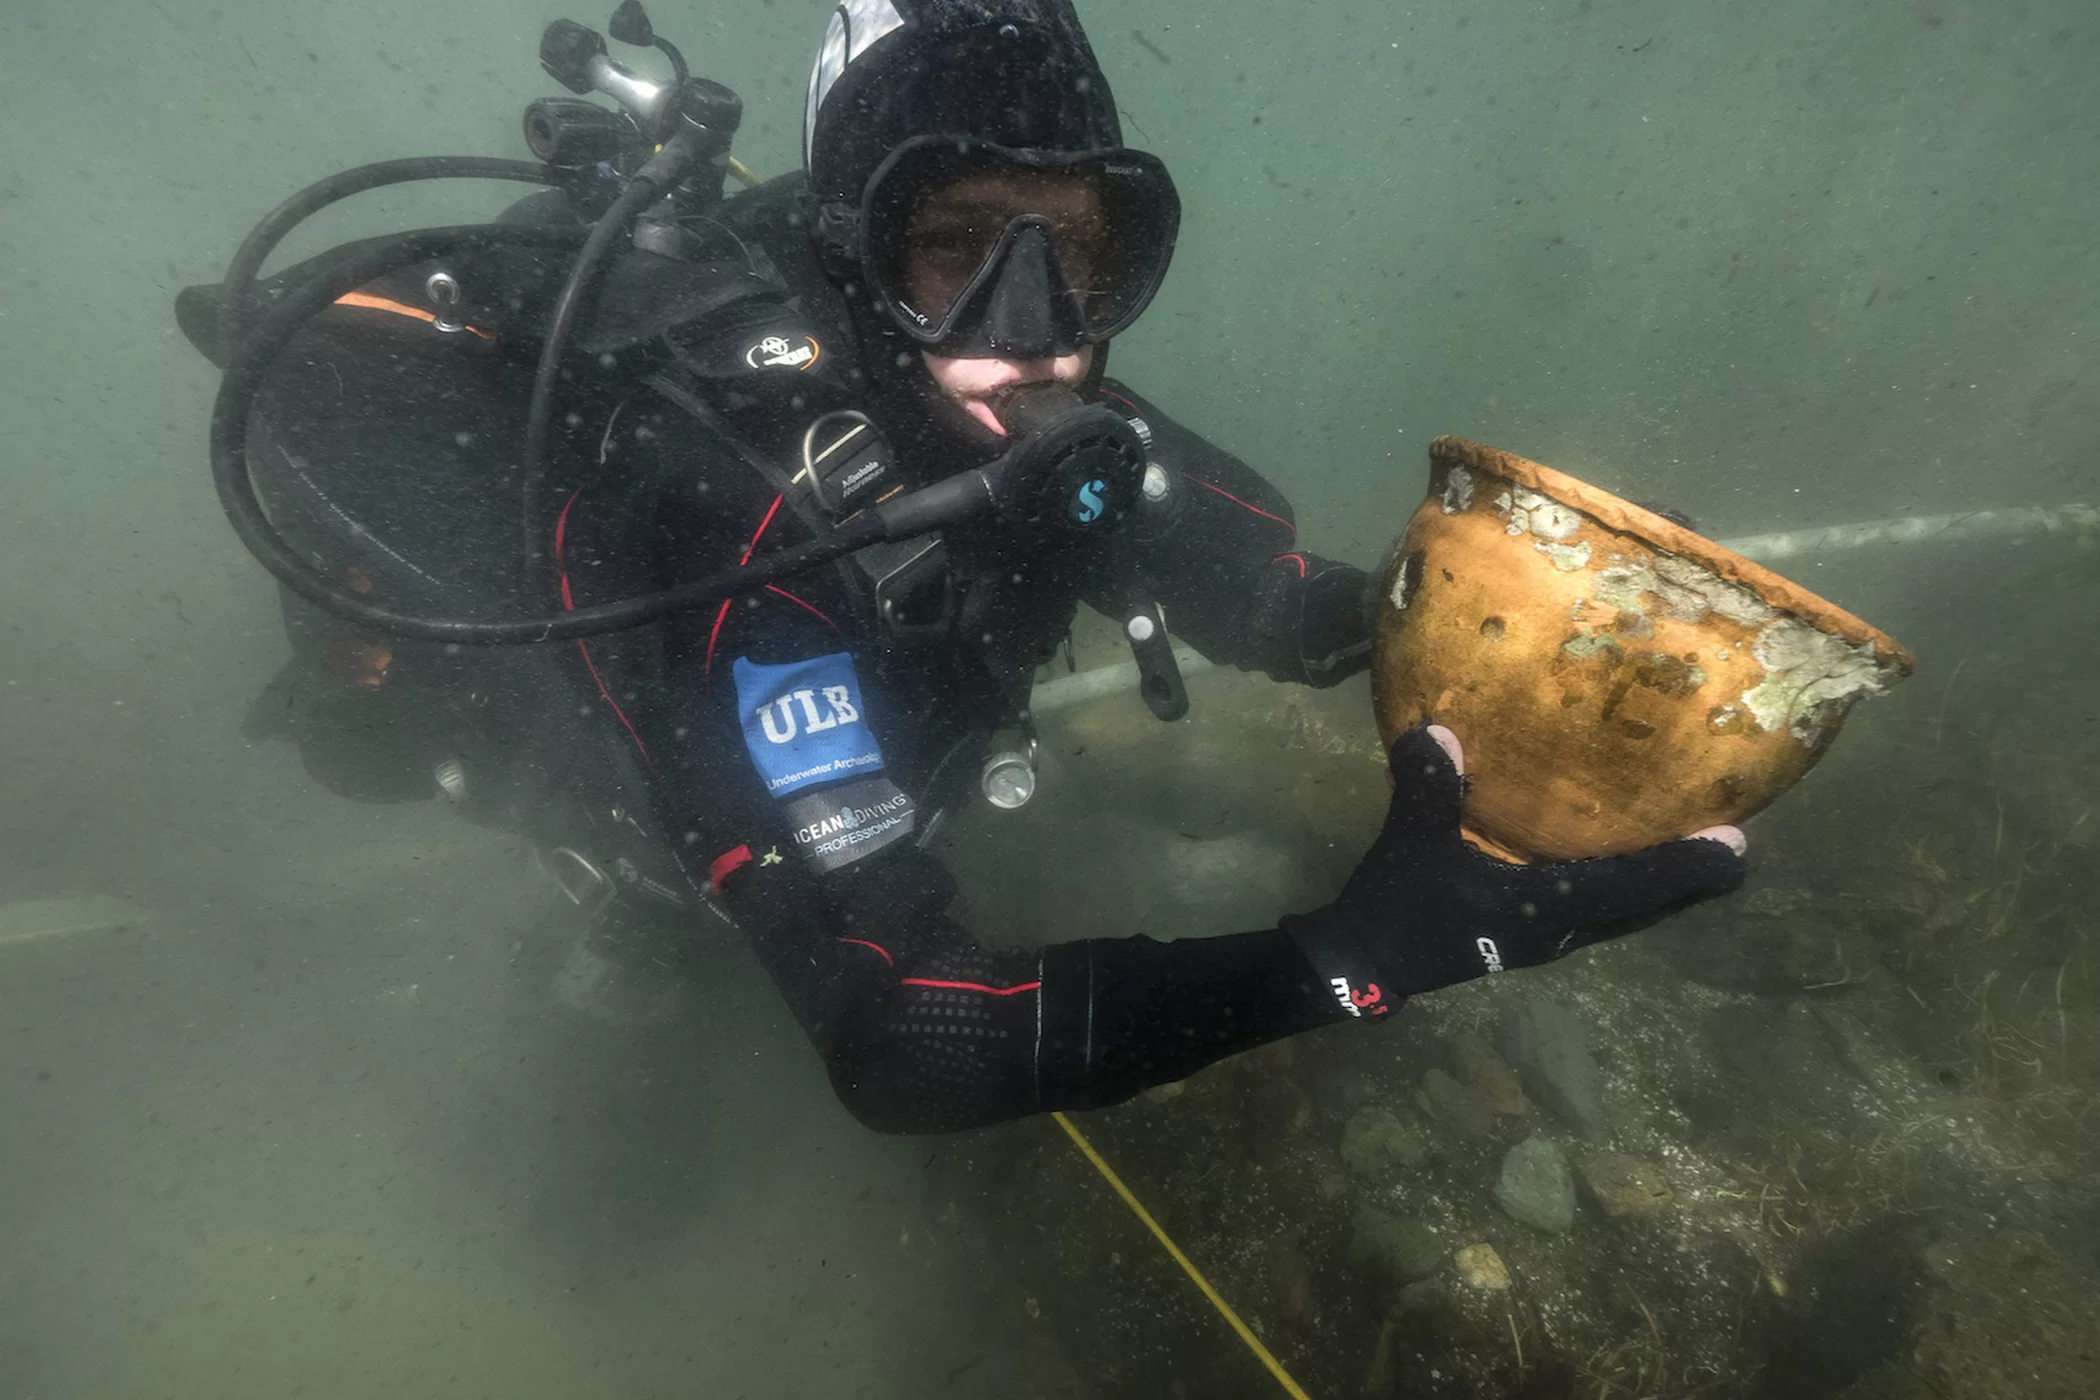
x: 1426, y: 910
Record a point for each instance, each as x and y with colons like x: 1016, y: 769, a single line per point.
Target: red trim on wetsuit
x: 864, y: 943
x: 714, y: 635
x: 968, y: 986
x: 1110, y: 393
x: 726, y: 864
x: 805, y: 604
x: 1240, y: 503
x: 568, y: 603
x: 1299, y: 557
x: 760, y: 532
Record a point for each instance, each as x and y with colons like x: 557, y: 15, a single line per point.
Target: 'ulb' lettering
x: 837, y: 708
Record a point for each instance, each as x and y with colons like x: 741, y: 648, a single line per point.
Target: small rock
x: 1394, y: 1247
x: 1330, y: 1181
x: 1480, y: 1267
x: 1487, y: 1074
x: 1166, y: 1093
x: 1454, y: 1105
x: 1536, y: 1187
x: 1622, y: 1185
x: 1339, y: 1089
x: 1375, y: 1143
x: 1550, y: 1046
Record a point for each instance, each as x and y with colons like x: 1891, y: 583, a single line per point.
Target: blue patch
x: 804, y: 723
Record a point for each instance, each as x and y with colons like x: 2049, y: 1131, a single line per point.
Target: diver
x: 908, y: 340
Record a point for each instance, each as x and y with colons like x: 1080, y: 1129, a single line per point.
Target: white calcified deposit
x: 1811, y: 678
x: 1458, y: 491
x: 1527, y: 511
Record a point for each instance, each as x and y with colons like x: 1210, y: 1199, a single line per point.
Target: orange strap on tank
x: 399, y: 308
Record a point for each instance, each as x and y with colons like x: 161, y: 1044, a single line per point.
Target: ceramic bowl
x: 1617, y: 679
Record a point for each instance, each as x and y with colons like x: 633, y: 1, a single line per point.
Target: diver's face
x: 949, y: 235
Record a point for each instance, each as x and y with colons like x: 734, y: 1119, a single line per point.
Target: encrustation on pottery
x: 1617, y: 679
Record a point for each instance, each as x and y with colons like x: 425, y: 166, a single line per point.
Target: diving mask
x: 982, y: 250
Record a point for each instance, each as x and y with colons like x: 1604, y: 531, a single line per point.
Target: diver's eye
x: 955, y: 244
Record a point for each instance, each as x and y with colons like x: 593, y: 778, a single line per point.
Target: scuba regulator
x: 1073, y: 469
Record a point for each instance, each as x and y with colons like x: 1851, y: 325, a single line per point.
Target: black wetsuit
x: 927, y: 1025
x: 800, y: 753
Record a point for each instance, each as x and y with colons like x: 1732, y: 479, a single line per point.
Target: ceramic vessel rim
x: 1622, y: 516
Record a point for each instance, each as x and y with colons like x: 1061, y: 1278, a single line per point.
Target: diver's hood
x: 1014, y: 73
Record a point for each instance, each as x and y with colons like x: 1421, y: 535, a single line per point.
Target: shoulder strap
x: 680, y: 390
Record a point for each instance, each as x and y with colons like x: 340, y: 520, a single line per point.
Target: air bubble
x: 463, y: 439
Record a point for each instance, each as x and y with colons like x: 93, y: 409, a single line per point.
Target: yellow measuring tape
x: 1224, y: 1308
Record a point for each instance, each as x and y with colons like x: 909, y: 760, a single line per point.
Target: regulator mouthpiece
x: 1074, y: 466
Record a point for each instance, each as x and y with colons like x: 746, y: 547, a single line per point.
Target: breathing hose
x: 244, y: 379
x: 239, y: 285
x: 647, y: 186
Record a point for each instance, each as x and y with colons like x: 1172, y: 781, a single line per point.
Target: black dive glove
x: 1425, y: 910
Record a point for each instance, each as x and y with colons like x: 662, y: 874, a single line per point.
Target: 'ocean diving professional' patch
x: 803, y: 722
x: 839, y: 825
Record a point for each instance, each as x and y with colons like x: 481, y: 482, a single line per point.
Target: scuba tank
x: 622, y: 250
x: 643, y: 172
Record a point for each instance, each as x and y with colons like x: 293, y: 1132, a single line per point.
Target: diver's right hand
x: 1425, y: 909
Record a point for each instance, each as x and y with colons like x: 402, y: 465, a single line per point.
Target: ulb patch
x: 803, y: 722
